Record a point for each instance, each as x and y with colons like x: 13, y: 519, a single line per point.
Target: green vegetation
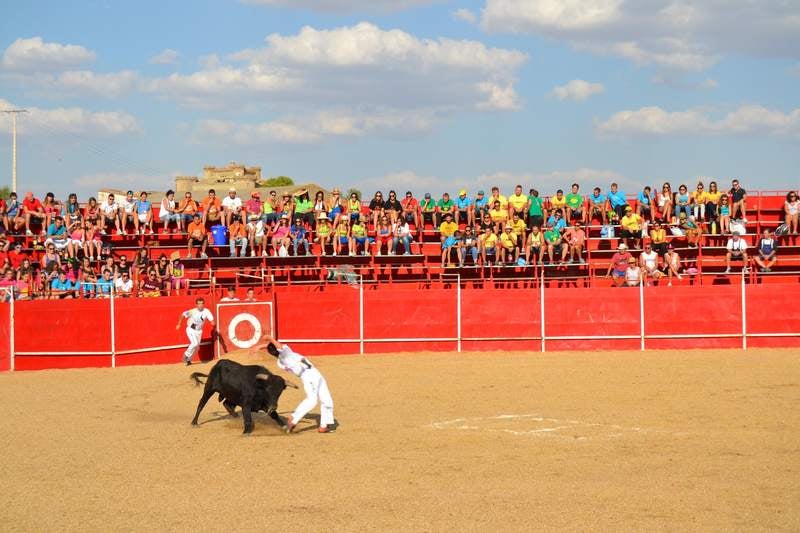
x: 277, y: 181
x: 4, y: 192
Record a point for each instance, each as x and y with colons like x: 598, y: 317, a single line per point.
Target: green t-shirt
x: 428, y: 205
x: 302, y: 206
x: 574, y: 201
x: 536, y: 205
x: 552, y: 236
x: 445, y: 207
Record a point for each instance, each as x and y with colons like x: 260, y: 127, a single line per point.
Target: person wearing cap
x: 672, y: 264
x: 574, y: 239
x: 168, y: 212
x: 464, y: 211
x: 410, y: 207
x: 358, y: 236
x: 197, y: 237
x: 617, y: 200
x: 508, y: 246
x: 211, y: 208
x: 428, y: 209
x: 335, y: 205
x: 449, y: 244
x: 517, y: 203
x: 323, y: 232
x: 488, y: 245
x: 648, y: 261
x: 237, y: 236
x: 376, y: 207
x: 448, y: 227
x: 299, y: 236
x: 480, y: 206
x: 32, y: 211
x: 535, y: 208
x: 559, y: 203
x: 392, y: 207
x: 304, y: 208
x: 619, y: 264
x: 231, y: 205
x: 631, y: 225
x: 444, y: 206
x: 633, y: 274
x: 736, y: 249
x: 556, y: 249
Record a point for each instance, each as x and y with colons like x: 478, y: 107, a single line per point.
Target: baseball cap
x: 481, y: 193
x: 628, y: 208
x: 462, y: 192
x: 427, y: 195
x: 622, y: 246
x: 255, y: 194
x: 232, y: 189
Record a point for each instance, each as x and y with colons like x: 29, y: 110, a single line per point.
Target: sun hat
x: 232, y: 189
x: 622, y: 246
x: 322, y: 216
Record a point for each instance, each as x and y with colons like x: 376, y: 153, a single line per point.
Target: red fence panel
x: 491, y: 313
x: 773, y: 309
x: 5, y: 337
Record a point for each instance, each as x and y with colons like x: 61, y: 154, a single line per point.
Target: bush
x: 278, y: 181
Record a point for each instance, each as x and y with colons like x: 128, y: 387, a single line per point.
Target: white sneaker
x: 252, y: 253
x: 102, y: 232
x: 366, y: 253
x: 334, y: 253
x: 727, y: 270
x: 378, y: 252
x: 745, y: 270
x: 28, y: 232
x: 203, y: 256
x: 264, y: 253
x: 122, y: 232
x: 352, y: 253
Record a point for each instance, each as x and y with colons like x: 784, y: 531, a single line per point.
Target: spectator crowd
x: 70, y: 256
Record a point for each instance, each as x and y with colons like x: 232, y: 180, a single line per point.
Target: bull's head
x: 274, y: 386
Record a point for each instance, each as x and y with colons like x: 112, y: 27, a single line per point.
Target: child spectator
x: 767, y: 250
x: 298, y: 235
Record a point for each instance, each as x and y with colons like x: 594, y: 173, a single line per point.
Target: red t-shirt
x: 17, y: 258
x: 32, y: 205
x: 409, y: 204
x: 620, y: 261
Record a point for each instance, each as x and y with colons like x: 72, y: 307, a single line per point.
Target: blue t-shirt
x: 142, y: 206
x: 480, y: 203
x: 13, y: 208
x: 104, y: 286
x: 68, y: 285
x: 52, y: 231
x: 462, y: 204
x: 643, y: 199
x: 617, y: 198
x: 449, y: 241
x: 556, y: 223
x: 599, y: 199
x: 298, y: 232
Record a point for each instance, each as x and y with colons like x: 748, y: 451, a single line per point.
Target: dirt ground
x: 700, y: 440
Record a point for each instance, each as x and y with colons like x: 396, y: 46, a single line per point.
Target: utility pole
x: 14, y: 113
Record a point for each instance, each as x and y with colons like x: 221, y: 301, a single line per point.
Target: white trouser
x: 194, y: 342
x: 316, y: 389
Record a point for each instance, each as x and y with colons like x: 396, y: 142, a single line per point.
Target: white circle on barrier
x: 238, y: 319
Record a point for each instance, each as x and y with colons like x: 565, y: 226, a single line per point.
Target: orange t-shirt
x: 211, y: 205
x: 196, y: 230
x: 236, y: 230
x: 188, y: 207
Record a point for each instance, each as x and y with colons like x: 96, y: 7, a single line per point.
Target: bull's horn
x: 265, y: 377
x: 292, y: 385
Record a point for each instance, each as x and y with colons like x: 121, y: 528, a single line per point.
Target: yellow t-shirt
x: 508, y: 240
x: 446, y: 229
x: 632, y: 222
x: 713, y: 197
x: 657, y: 236
x: 517, y: 202
x: 558, y: 203
x: 500, y: 198
x: 519, y: 227
x: 498, y: 215
x: 358, y: 231
x: 489, y: 241
x: 699, y: 197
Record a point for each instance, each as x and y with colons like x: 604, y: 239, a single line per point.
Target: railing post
x: 641, y: 312
x: 744, y: 314
x: 541, y: 310
x: 361, y: 314
x: 113, y: 330
x: 11, y: 338
x: 458, y: 312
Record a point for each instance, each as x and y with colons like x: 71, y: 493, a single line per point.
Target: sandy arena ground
x: 701, y: 440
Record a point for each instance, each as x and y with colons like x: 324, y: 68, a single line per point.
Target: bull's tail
x: 196, y: 377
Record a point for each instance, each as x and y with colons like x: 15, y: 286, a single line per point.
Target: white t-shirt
x: 632, y: 275
x: 109, y: 209
x: 229, y: 299
x: 232, y: 204
x: 128, y: 205
x: 401, y: 229
x: 292, y: 361
x: 123, y: 286
x: 736, y: 246
x: 197, y: 318
x: 650, y: 260
x: 166, y: 204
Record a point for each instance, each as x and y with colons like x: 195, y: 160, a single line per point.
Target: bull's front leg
x: 230, y: 407
x: 248, y: 418
x: 273, y: 414
x: 206, y: 395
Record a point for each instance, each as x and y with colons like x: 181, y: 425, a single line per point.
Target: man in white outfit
x: 195, y: 318
x: 313, y: 383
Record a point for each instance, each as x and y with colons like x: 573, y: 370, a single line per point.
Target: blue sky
x: 430, y: 95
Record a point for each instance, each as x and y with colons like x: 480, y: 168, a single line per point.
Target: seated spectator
x: 520, y: 229
x: 299, y: 237
x: 61, y: 287
x: 517, y: 203
x: 737, y: 249
x: 672, y: 264
x: 535, y: 247
x: 464, y: 212
x: 8, y: 282
x: 271, y: 208
x: 75, y: 242
x: 575, y: 238
x: 237, y: 236
x: 535, y: 209
x: 444, y: 206
x: 92, y: 242
x: 558, y: 203
x: 254, y: 208
x: 231, y: 206
x: 211, y: 209
x: 341, y: 235
x: 392, y: 207
x: 109, y: 264
x: 250, y: 295
x: 169, y: 213
x: 32, y: 211
x: 258, y: 235
x: 468, y: 247
x: 358, y: 236
x: 658, y: 238
x: 57, y: 234
x: 712, y: 197
x: 724, y: 215
x: 698, y: 201
x: 12, y: 213
x: 508, y: 246
x: 682, y: 202
x: 105, y: 284
x: 665, y: 202
x: 320, y: 205
x: 354, y: 207
x: 484, y: 223
x: 198, y: 237
x: 401, y: 234
x: 52, y: 208
x: 163, y: 269
x: 186, y: 209
x: 123, y: 267
x: 791, y: 210
x: 428, y: 211
x: 450, y: 245
x: 127, y: 212
x: 631, y: 225
x: 619, y: 265
x: 109, y: 215
x: 738, y: 199
x: 150, y: 287
x: 281, y: 238
x: 177, y: 275
x: 648, y: 260
x: 617, y: 200
x: 230, y: 295
x: 488, y: 245
x: 91, y: 214
x: 411, y: 209
x: 141, y: 262
x: 376, y: 208
x: 597, y: 206
x: 123, y: 285
x: 575, y: 203
x: 644, y: 203
x: 50, y: 262
x: 447, y: 228
x: 633, y: 274
x: 497, y: 197
x: 16, y: 256
x: 383, y: 235
x: 556, y: 251
x: 480, y: 206
x: 303, y: 207
x: 144, y: 215
x: 87, y: 275
x: 499, y: 215
x: 324, y: 232
x: 767, y: 250
x: 556, y: 220
x: 690, y: 229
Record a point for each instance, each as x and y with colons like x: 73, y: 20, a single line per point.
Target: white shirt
x: 110, y: 208
x: 632, y: 275
x: 650, y: 260
x: 229, y: 299
x: 232, y: 204
x: 292, y: 361
x: 123, y: 286
x: 736, y: 246
x: 166, y: 205
x: 197, y: 318
x: 128, y: 205
x: 402, y: 229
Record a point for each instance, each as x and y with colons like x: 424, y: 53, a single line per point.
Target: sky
x: 427, y: 95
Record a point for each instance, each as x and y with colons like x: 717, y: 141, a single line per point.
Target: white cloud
x: 356, y: 67
x: 465, y: 15
x: 167, y: 56
x: 74, y: 121
x: 34, y: 54
x: 345, y: 5
x: 672, y: 34
x: 746, y: 119
x: 577, y: 90
x: 709, y: 83
x: 75, y: 83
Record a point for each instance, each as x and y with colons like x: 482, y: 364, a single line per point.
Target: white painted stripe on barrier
x: 121, y: 352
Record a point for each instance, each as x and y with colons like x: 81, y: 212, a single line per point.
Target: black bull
x: 252, y: 387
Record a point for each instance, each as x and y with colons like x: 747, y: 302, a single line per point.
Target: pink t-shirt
x: 620, y: 261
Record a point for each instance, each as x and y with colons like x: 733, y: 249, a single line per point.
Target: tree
x: 351, y: 191
x: 278, y: 181
x: 4, y: 192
